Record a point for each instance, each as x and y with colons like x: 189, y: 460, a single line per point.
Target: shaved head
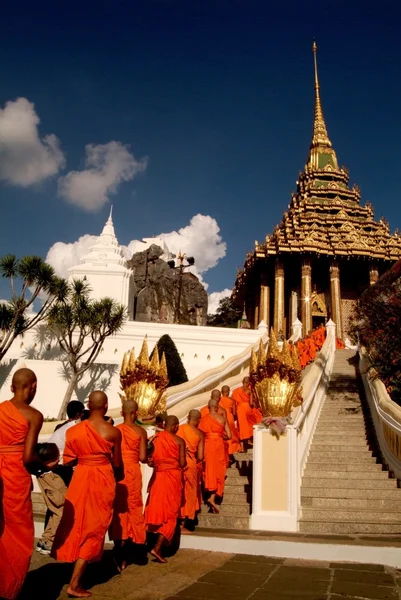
x: 245, y: 381
x: 98, y: 401
x: 23, y: 385
x: 215, y: 395
x: 171, y: 421
x: 213, y: 402
x: 129, y: 406
x: 194, y: 415
x: 225, y: 390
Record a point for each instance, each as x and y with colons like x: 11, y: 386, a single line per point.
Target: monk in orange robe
x: 247, y: 414
x: 163, y: 506
x: 215, y: 427
x: 195, y: 442
x: 128, y: 521
x: 88, y: 509
x: 234, y: 444
x: 19, y: 429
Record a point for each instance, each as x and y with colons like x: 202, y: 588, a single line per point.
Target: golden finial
x: 154, y: 363
x: 143, y: 358
x: 131, y: 361
x: 253, y: 365
x: 261, y: 354
x: 295, y: 358
x: 163, y: 367
x: 273, y: 349
x: 286, y: 356
x: 125, y: 363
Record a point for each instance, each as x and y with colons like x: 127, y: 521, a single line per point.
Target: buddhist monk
x: 215, y: 427
x: 19, y: 429
x: 194, y: 441
x: 234, y: 444
x: 247, y: 414
x: 128, y: 521
x: 215, y: 395
x: 96, y: 446
x: 165, y: 490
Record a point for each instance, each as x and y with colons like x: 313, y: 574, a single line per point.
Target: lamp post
x: 190, y: 261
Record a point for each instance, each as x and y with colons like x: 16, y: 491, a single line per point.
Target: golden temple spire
x: 321, y: 144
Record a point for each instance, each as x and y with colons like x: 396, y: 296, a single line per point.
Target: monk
x: 19, y: 429
x: 234, y: 444
x: 88, y: 509
x: 128, y: 521
x: 215, y: 427
x: 215, y: 395
x: 165, y: 490
x: 247, y: 414
x: 194, y: 441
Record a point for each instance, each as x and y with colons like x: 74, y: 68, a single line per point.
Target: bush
x: 175, y: 368
x: 377, y: 325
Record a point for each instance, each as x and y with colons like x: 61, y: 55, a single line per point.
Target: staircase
x: 345, y: 487
x: 236, y: 506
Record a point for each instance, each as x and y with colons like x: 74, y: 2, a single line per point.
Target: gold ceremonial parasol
x: 144, y: 381
x: 275, y: 378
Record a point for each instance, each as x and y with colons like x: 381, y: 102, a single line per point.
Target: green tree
x: 175, y: 368
x: 81, y: 326
x: 227, y: 314
x: 30, y: 279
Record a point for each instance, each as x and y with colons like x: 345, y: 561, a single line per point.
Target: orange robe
x: 128, y: 520
x: 191, y: 496
x: 215, y: 455
x: 204, y: 411
x: 88, y: 507
x: 163, y: 506
x: 246, y: 415
x: 16, y: 518
x: 234, y: 444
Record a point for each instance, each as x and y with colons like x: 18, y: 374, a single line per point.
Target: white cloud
x: 25, y: 158
x: 214, y: 300
x: 106, y: 167
x: 62, y: 256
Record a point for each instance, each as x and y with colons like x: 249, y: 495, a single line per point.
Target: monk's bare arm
x: 183, y: 455
x: 227, y: 429
x: 234, y: 409
x: 143, y: 447
x: 201, y: 447
x: 118, y: 465
x: 35, y: 420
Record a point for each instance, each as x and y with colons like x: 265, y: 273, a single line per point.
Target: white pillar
x: 296, y: 330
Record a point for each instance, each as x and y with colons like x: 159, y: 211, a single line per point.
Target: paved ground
x: 192, y: 574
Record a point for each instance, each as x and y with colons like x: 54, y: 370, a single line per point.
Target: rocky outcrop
x: 155, y: 291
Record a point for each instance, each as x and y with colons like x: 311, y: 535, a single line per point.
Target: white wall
x: 200, y: 348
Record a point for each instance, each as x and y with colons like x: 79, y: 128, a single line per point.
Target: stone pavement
x: 195, y: 574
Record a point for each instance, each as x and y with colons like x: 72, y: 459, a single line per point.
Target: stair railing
x: 278, y: 463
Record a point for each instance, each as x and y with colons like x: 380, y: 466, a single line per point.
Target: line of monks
x: 308, y: 347
x: 105, y: 493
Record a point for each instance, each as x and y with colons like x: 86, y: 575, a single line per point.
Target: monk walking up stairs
x: 19, y: 429
x: 88, y: 509
x: 165, y: 488
x: 128, y: 522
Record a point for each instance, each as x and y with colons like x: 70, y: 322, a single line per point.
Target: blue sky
x: 217, y: 95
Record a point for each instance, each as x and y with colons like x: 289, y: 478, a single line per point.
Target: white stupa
x: 105, y: 268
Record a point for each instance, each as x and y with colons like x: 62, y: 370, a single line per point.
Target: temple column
x: 264, y: 303
x: 373, y: 273
x: 306, y: 291
x: 293, y: 308
x: 335, y: 291
x: 256, y: 319
x: 279, y: 297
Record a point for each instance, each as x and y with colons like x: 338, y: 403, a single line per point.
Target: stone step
x: 342, y: 528
x: 351, y: 503
x: 362, y: 484
x: 237, y: 488
x: 339, y: 436
x: 330, y: 446
x: 336, y: 413
x: 392, y: 494
x: 237, y: 480
x: 232, y: 498
x: 225, y: 521
x: 246, y: 456
x: 351, y: 516
x: 341, y: 457
x: 310, y: 473
x: 336, y: 465
x: 239, y: 510
x: 343, y: 427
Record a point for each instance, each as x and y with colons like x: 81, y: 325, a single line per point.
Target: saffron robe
x: 234, y: 444
x: 163, y: 506
x: 191, y: 497
x: 215, y: 467
x: 128, y: 520
x: 88, y: 507
x: 16, y: 518
x: 246, y: 415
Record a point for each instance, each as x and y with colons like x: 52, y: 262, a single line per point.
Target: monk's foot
x: 158, y: 557
x: 78, y: 592
x: 117, y: 565
x: 185, y: 531
x: 213, y: 507
x: 124, y: 565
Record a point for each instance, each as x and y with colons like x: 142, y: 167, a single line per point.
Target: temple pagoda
x: 327, y: 249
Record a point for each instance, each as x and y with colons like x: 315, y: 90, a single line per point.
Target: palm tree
x: 81, y: 326
x: 30, y: 279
